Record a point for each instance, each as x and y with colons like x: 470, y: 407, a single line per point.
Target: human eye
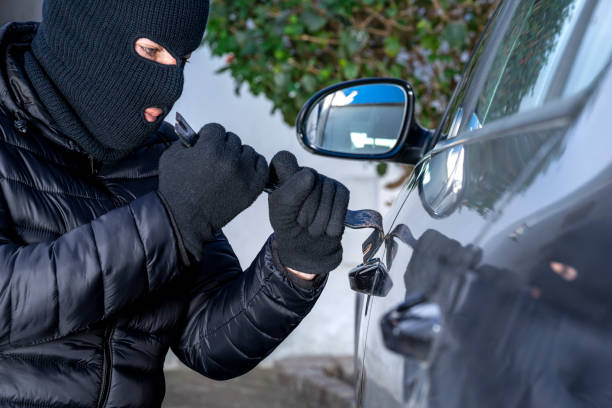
x: 153, y: 52
x: 149, y: 51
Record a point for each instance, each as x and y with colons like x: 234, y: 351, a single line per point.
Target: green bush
x: 289, y: 49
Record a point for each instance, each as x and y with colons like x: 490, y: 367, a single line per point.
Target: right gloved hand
x: 210, y: 183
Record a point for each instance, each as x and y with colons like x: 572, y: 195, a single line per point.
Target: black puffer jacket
x: 93, y: 291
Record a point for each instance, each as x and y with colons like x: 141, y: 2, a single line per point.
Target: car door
x: 494, y: 244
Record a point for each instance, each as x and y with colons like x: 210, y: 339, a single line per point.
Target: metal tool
x: 188, y: 136
x: 354, y: 219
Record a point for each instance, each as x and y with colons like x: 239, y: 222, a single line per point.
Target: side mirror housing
x: 367, y: 119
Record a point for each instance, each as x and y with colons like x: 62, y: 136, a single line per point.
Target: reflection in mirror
x: 364, y: 119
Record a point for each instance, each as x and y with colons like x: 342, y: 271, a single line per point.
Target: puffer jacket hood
x: 94, y: 284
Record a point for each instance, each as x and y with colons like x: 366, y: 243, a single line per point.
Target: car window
x: 594, y: 52
x: 548, y: 50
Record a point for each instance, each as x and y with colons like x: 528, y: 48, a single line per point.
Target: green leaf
x: 325, y: 74
x: 455, y: 34
x: 424, y: 25
x: 381, y: 169
x: 353, y: 40
x: 313, y: 21
x: 351, y: 71
x: 280, y: 54
x: 391, y: 12
x: 309, y: 82
x: 282, y: 80
x: 392, y: 46
x: 223, y: 69
x: 430, y: 42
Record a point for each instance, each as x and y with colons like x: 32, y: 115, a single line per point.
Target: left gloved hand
x: 307, y: 214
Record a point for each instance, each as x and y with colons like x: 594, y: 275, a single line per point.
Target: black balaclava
x: 85, y: 69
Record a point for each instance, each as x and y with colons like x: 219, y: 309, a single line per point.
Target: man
x: 111, y: 249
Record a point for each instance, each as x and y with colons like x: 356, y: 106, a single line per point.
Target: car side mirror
x: 371, y: 119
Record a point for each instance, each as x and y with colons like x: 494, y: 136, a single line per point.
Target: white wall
x: 19, y: 10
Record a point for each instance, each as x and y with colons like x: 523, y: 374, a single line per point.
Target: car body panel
x: 512, y: 224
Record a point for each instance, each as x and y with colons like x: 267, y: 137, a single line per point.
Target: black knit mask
x: 86, y: 48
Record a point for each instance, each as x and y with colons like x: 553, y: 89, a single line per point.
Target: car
x: 489, y: 283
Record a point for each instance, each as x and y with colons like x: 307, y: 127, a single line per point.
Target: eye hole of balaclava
x: 152, y: 51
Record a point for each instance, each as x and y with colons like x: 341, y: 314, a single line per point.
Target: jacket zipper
x: 107, y: 367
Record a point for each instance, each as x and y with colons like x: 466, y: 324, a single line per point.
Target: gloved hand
x: 207, y: 185
x: 307, y: 213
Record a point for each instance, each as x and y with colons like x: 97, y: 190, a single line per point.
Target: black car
x: 491, y: 282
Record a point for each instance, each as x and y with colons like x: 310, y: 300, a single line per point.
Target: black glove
x: 207, y: 185
x: 307, y: 213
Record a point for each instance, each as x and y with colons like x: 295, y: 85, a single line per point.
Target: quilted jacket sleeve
x: 234, y: 324
x: 51, y: 289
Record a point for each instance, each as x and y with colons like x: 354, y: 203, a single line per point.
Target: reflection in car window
x: 551, y: 49
x: 523, y: 69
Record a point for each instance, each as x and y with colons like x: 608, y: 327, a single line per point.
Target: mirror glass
x: 363, y: 119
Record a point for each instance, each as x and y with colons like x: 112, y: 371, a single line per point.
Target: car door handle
x: 411, y: 328
x: 371, y: 278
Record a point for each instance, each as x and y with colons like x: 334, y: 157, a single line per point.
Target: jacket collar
x: 18, y: 100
